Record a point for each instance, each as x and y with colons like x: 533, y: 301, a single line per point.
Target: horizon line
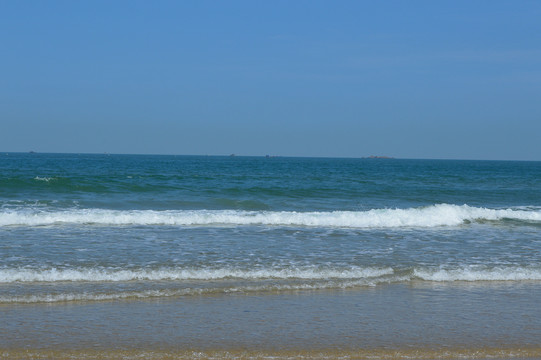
x: 368, y: 157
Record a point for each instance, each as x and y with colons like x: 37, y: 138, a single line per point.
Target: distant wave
x: 429, y: 216
x: 46, y: 179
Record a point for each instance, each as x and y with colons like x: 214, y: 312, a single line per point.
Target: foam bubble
x: 479, y: 273
x: 65, y: 297
x: 430, y: 216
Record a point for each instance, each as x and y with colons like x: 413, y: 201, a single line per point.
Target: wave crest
x: 430, y: 216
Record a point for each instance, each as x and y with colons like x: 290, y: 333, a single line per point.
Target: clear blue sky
x: 410, y: 79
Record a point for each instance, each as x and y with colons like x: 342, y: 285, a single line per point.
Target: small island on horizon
x: 377, y: 157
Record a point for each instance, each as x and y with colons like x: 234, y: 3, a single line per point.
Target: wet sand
x: 425, y: 321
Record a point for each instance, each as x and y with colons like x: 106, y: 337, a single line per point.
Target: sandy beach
x: 421, y: 354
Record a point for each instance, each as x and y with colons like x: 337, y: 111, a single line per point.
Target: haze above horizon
x: 422, y: 79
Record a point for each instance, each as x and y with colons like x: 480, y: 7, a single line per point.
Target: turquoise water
x: 85, y: 230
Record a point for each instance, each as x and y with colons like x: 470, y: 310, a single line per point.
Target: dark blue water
x: 250, y: 183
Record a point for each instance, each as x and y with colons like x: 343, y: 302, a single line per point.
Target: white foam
x: 170, y: 274
x: 479, y: 273
x: 161, y: 293
x: 430, y: 216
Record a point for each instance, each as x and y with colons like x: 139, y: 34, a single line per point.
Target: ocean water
x: 199, y: 253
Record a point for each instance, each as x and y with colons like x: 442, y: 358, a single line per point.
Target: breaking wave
x: 169, y: 274
x: 465, y: 273
x: 430, y: 216
x: 118, y: 284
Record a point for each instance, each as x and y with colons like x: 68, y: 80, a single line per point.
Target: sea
x: 108, y: 256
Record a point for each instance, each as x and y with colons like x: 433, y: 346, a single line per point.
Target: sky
x: 408, y: 79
